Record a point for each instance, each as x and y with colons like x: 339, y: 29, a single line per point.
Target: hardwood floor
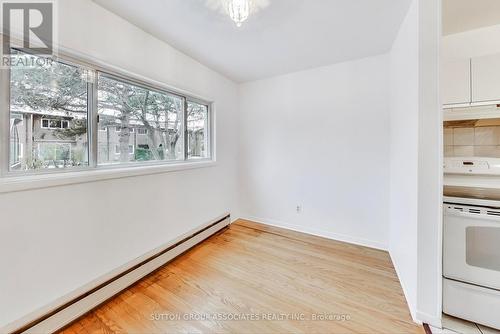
x: 251, y: 278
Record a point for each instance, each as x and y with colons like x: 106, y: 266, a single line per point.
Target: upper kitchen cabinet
x: 456, y: 82
x: 486, y: 78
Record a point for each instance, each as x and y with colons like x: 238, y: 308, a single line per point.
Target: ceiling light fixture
x: 238, y: 10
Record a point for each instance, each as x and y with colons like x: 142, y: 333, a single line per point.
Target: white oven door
x: 471, y: 250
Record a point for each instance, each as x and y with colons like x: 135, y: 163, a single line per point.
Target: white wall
x: 404, y: 65
x: 320, y: 139
x: 416, y: 160
x: 55, y: 240
x: 430, y: 166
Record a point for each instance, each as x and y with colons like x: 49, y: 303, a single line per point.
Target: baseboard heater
x: 69, y: 311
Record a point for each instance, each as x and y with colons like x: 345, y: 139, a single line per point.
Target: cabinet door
x: 455, y: 81
x: 486, y: 78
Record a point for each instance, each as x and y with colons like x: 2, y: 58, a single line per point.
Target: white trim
x: 4, y: 119
x: 320, y: 233
x: 412, y: 310
x: 484, y: 103
x: 456, y: 105
x: 434, y: 321
x: 86, y: 304
x: 471, y: 104
x: 28, y: 182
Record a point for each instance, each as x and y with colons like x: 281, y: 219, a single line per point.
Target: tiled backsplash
x: 472, y: 142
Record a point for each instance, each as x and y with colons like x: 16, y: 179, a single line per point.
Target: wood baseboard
x: 67, y: 312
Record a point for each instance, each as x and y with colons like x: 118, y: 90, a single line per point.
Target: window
x: 131, y: 149
x: 197, y: 130
x: 46, y: 98
x: 119, y: 129
x: 54, y: 124
x: 128, y: 106
x: 135, y: 123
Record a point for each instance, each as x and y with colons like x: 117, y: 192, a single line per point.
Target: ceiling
x: 284, y: 37
x: 464, y: 15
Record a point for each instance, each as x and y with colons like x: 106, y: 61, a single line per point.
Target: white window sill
x: 28, y: 182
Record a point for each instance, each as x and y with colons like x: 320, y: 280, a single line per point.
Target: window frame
x: 51, y: 127
x: 96, y: 67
